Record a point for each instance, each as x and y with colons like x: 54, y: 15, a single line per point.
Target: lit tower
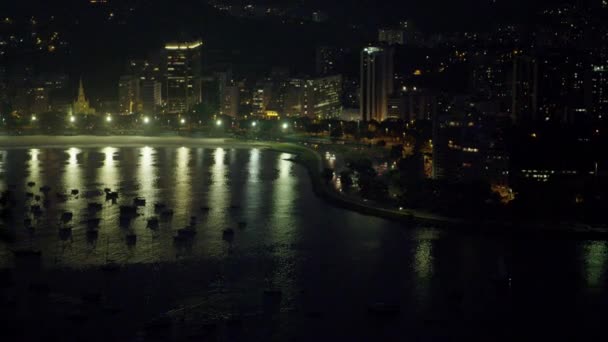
x: 376, y: 80
x: 182, y: 75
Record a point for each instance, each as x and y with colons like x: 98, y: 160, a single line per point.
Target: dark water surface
x: 300, y: 269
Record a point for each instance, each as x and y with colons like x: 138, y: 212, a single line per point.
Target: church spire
x: 81, y: 97
x: 81, y: 105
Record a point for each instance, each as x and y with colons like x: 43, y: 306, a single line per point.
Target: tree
x: 204, y: 112
x: 327, y: 175
x: 337, y: 132
x: 346, y: 179
x: 52, y: 121
x: 396, y: 151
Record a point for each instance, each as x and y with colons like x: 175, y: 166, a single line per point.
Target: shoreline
x: 409, y: 216
x: 312, y: 161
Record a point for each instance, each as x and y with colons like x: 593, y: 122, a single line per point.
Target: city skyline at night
x: 303, y: 170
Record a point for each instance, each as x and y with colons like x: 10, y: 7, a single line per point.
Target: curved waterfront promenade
x: 313, y: 162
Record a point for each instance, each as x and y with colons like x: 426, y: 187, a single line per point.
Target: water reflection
x: 34, y: 165
x: 108, y: 173
x: 283, y: 226
x: 183, y: 191
x: 253, y: 192
x: 72, y: 172
x: 146, y: 176
x: 2, y: 170
x: 254, y: 166
x: 423, y: 259
x: 596, y: 253
x: 423, y: 267
x: 283, y: 194
x: 218, y: 197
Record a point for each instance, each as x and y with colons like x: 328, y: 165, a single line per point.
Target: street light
x: 253, y: 124
x: 146, y: 120
x: 109, y: 118
x: 182, y: 121
x: 285, y: 126
x: 218, y: 123
x: 72, y: 118
x: 34, y: 118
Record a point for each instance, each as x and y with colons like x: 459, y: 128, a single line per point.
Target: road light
x: 146, y: 120
x: 182, y: 121
x: 253, y: 124
x: 34, y: 118
x: 109, y: 118
x: 72, y: 118
x: 285, y: 126
x: 218, y: 123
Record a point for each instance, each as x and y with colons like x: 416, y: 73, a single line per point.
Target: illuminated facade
x: 262, y: 94
x: 597, y: 92
x: 81, y: 105
x: 376, y: 83
x: 151, y: 96
x: 468, y: 146
x: 182, y: 79
x: 316, y: 98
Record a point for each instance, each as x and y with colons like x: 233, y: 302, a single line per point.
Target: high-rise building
x: 597, y: 92
x: 151, y: 96
x: 524, y: 89
x: 420, y: 105
x: 40, y: 97
x: 262, y: 94
x: 376, y: 83
x: 316, y: 98
x: 322, y: 97
x: 228, y: 93
x: 129, y: 95
x: 396, y: 107
x: 182, y: 76
x: 229, y: 101
x: 561, y: 86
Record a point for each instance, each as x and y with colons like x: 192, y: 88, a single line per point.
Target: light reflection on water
x: 596, y: 253
x: 272, y: 195
x: 183, y: 186
x: 108, y: 173
x: 146, y: 178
